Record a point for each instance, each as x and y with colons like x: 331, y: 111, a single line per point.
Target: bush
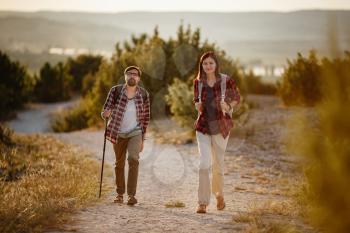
x: 15, y: 86
x: 300, y: 83
x: 180, y: 99
x: 327, y: 149
x: 53, y: 84
x: 70, y: 119
x: 254, y: 85
x: 80, y: 68
x: 5, y: 136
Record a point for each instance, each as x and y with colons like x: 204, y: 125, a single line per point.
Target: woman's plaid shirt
x: 117, y: 101
x: 225, y: 122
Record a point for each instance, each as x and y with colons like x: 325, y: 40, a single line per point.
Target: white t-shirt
x: 130, y: 117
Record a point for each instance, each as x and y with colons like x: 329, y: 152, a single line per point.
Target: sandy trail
x: 169, y: 173
x: 36, y: 118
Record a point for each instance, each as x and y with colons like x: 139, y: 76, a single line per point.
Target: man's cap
x: 133, y: 68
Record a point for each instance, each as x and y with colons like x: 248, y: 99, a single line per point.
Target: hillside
x: 270, y: 37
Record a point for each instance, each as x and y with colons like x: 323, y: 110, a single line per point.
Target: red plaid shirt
x: 117, y: 101
x: 225, y: 122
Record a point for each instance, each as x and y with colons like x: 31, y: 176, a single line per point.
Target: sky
x: 171, y: 5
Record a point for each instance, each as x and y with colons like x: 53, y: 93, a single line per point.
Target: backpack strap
x: 200, y: 88
x: 223, y: 91
x: 144, y: 94
x: 117, y: 92
x: 223, y: 86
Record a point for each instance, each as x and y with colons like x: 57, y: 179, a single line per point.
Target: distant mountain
x: 249, y: 36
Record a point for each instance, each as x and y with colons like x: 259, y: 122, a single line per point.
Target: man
x: 127, y: 109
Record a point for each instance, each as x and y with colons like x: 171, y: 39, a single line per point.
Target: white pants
x: 211, y: 150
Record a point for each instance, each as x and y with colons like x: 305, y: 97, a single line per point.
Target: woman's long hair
x: 201, y: 73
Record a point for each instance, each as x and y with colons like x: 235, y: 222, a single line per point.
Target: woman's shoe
x: 201, y: 209
x: 220, y: 205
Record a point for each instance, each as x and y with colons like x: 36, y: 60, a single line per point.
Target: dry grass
x: 270, y: 216
x: 56, y: 179
x: 174, y: 204
x: 284, y: 214
x: 257, y: 223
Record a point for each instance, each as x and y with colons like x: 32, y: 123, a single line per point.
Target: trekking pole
x: 103, y: 158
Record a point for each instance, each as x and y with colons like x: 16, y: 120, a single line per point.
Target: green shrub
x: 70, y: 119
x: 53, y: 84
x: 82, y: 67
x: 300, y: 83
x: 180, y: 100
x: 15, y: 85
x: 88, y: 83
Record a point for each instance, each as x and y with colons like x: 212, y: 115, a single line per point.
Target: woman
x: 215, y: 95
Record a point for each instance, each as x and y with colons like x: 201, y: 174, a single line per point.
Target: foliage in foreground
x: 41, y: 180
x: 324, y: 142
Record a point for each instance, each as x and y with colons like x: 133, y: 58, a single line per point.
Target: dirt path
x: 166, y: 173
x: 255, y: 163
x: 36, y: 118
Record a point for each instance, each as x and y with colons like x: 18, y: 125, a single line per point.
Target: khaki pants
x: 131, y: 145
x: 211, y: 150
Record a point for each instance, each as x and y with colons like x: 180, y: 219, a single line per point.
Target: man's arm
x: 146, y: 114
x: 108, y: 105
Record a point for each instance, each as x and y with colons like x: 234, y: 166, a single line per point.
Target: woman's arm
x: 196, y: 100
x: 232, y: 93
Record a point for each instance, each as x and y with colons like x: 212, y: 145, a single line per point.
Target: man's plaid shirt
x: 225, y: 122
x: 117, y: 101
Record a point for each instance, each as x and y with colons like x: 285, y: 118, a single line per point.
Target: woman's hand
x: 198, y: 107
x: 224, y: 106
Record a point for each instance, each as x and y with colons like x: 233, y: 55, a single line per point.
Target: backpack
x: 223, y: 91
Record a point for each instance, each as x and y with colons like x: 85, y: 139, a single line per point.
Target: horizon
x: 118, y: 6
x: 178, y: 11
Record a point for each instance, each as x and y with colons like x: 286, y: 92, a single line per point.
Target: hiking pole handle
x: 103, y: 158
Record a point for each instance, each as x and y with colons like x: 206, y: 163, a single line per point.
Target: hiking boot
x: 201, y: 209
x: 220, y: 205
x: 132, y: 200
x: 118, y: 199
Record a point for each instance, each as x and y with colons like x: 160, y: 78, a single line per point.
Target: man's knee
x: 133, y: 160
x: 120, y: 163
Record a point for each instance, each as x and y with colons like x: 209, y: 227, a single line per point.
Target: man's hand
x: 198, y: 107
x: 107, y: 113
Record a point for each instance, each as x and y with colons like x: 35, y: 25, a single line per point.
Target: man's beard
x: 131, y: 82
